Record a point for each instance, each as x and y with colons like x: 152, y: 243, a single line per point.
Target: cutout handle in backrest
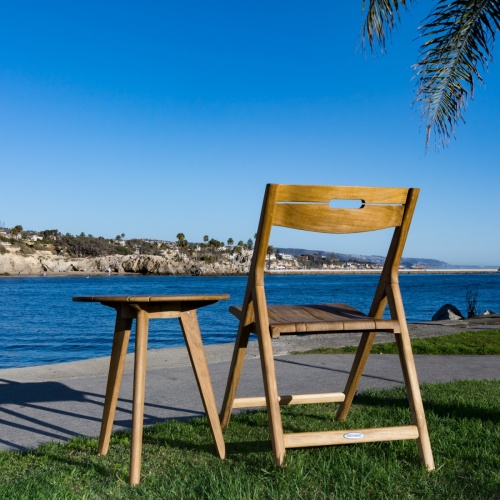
x: 343, y: 203
x: 309, y: 208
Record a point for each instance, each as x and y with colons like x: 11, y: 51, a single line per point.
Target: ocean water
x: 40, y: 324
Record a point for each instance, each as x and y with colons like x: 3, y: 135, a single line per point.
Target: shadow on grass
x: 398, y: 399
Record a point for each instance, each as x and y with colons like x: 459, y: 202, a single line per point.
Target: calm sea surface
x: 39, y: 323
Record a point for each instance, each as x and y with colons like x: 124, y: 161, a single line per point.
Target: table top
x: 136, y: 299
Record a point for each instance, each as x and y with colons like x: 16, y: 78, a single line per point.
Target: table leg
x: 141, y: 347
x: 116, y: 365
x: 192, y: 336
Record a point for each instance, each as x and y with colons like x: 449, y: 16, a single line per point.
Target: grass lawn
x: 480, y: 342
x: 179, y: 459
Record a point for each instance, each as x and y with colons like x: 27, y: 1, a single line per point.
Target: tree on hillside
x: 88, y: 246
x: 50, y: 234
x: 457, y: 41
x: 270, y: 251
x: 16, y: 230
x: 215, y: 244
x: 181, y: 242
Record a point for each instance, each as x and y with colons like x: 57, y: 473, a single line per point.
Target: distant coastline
x: 17, y: 261
x: 281, y: 272
x: 377, y: 271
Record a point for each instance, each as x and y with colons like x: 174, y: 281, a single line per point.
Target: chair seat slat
x: 320, y: 318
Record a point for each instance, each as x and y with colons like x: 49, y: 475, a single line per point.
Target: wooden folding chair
x: 308, y: 208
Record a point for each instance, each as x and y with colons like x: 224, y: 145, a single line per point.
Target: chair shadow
x: 23, y: 393
x: 234, y: 448
x: 22, y: 401
x: 462, y: 410
x: 336, y: 370
x: 33, y: 397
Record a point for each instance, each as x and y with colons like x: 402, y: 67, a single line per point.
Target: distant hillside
x: 372, y: 259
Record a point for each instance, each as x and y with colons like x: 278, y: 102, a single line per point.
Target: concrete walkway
x: 58, y: 402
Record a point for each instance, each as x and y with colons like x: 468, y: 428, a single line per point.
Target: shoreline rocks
x: 13, y: 264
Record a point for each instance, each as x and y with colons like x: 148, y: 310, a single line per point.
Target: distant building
x: 284, y: 256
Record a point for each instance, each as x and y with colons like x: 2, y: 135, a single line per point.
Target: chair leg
x: 191, y: 331
x: 116, y: 365
x: 402, y: 360
x: 357, y: 369
x: 239, y: 352
x: 141, y: 347
x: 269, y: 376
x: 410, y: 376
x: 272, y: 398
x: 415, y: 398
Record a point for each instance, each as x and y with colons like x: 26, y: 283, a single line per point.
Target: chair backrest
x: 309, y: 208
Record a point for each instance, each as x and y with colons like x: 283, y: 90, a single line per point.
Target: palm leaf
x: 459, y: 38
x: 381, y: 18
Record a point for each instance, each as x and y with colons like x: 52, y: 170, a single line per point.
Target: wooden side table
x: 142, y: 309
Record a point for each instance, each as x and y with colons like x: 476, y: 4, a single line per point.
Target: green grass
x: 480, y: 342
x: 179, y: 459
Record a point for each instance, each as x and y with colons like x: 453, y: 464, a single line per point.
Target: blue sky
x: 155, y: 118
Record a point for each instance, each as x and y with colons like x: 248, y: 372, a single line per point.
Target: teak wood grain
x: 142, y: 309
x: 310, y: 208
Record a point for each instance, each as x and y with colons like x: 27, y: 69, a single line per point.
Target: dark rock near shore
x: 447, y: 312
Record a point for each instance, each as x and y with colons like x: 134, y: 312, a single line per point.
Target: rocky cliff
x: 41, y: 263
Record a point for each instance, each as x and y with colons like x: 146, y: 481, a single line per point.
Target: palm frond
x: 381, y: 18
x: 459, y: 35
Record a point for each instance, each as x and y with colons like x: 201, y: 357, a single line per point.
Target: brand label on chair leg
x: 354, y: 435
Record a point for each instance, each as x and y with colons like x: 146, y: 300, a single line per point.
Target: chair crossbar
x: 295, y: 399
x: 329, y: 438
